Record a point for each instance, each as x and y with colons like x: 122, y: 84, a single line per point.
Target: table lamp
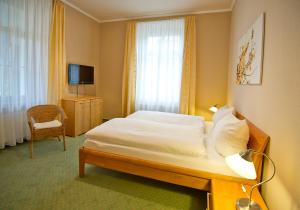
x: 214, y: 108
x: 242, y: 164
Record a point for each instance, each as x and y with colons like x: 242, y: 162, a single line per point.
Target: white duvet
x: 169, y: 134
x: 171, y: 118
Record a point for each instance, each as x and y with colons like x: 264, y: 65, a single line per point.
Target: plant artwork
x: 250, y: 54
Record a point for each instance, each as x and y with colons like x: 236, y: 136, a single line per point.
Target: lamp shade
x: 213, y: 109
x: 241, y: 166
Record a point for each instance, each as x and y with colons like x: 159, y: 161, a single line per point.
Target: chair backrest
x: 44, y: 113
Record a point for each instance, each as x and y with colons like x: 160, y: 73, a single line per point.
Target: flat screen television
x: 80, y: 74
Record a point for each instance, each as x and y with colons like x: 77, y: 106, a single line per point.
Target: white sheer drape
x: 159, y: 65
x: 24, y: 33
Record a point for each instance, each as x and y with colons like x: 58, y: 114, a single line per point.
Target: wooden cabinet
x: 84, y: 113
x: 225, y: 193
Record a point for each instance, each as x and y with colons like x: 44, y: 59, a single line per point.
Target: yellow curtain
x: 188, y: 81
x: 129, y: 71
x: 57, y: 55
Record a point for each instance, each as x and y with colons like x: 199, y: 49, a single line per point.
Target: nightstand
x: 225, y: 193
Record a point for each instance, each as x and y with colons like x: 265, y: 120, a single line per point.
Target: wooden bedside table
x: 225, y: 193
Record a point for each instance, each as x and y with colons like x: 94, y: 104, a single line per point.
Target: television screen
x: 80, y: 74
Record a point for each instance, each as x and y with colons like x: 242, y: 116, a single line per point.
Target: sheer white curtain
x: 24, y: 33
x: 159, y: 65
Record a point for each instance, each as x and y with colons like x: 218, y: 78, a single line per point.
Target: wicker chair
x: 46, y: 121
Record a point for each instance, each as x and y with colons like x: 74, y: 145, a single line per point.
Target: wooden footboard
x: 164, y: 172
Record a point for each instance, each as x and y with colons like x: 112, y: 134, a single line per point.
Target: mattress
x: 152, y: 135
x: 211, y: 162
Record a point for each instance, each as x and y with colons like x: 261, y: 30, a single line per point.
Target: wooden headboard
x: 258, y: 141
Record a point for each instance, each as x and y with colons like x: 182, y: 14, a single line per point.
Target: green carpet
x: 50, y: 181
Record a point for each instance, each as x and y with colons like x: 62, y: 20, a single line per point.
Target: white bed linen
x: 211, y: 162
x: 170, y: 118
x: 155, y: 136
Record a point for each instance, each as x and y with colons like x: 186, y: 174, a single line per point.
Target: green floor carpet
x: 50, y: 181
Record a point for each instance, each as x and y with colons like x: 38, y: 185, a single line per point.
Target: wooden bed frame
x: 192, y: 178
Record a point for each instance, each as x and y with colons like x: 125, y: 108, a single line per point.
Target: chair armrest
x: 63, y: 114
x: 31, y: 121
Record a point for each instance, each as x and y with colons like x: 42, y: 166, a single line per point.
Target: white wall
x: 273, y: 106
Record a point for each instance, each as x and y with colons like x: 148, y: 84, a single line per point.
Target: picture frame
x: 249, y: 66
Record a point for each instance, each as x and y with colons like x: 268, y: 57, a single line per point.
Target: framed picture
x: 250, y: 55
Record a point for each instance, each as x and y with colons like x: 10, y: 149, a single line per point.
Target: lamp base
x: 243, y: 204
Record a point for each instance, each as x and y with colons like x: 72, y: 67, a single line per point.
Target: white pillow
x: 230, y: 135
x: 222, y: 112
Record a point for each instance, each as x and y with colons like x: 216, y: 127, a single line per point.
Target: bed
x: 178, y: 164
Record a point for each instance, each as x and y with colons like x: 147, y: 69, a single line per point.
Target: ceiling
x: 110, y: 10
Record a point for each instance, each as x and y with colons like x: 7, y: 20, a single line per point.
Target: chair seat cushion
x: 50, y: 124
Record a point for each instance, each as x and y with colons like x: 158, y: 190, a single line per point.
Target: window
x: 24, y: 29
x: 11, y: 37
x: 159, y: 65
